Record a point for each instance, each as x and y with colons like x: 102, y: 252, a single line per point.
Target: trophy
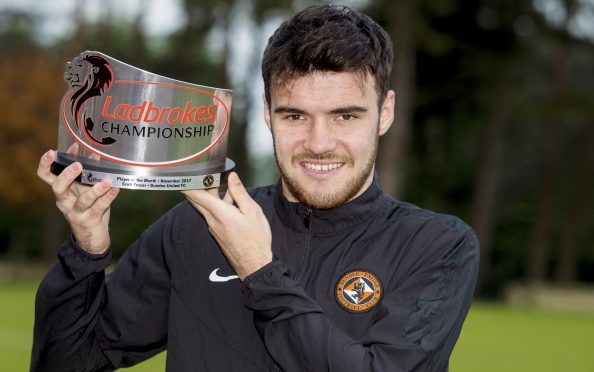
x: 141, y: 130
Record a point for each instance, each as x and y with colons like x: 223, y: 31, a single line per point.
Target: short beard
x: 331, y: 199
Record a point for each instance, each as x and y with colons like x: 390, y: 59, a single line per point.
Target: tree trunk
x: 488, y: 181
x: 541, y: 234
x: 576, y: 214
x: 393, y: 154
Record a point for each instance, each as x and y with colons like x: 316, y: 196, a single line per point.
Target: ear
x: 387, y: 112
x: 266, y: 112
x: 96, y: 70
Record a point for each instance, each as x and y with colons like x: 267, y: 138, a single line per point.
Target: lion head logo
x: 89, y: 76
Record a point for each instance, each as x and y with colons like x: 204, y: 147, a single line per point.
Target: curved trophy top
x: 117, y: 113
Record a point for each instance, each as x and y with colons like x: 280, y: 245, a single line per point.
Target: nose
x: 320, y: 138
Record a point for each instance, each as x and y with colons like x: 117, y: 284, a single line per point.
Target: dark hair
x: 328, y: 38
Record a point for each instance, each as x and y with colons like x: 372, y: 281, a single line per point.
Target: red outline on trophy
x: 149, y: 164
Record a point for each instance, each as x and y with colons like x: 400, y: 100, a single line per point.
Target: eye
x: 346, y: 117
x: 294, y: 117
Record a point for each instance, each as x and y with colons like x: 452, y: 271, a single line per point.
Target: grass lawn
x: 17, y: 309
x: 495, y: 338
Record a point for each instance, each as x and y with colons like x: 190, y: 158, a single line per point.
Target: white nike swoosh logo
x: 214, y: 277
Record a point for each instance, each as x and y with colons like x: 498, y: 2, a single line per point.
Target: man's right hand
x: 85, y: 208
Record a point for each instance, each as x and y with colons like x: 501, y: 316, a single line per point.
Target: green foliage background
x: 494, y: 120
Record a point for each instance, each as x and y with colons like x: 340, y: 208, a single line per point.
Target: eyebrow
x: 288, y: 110
x: 340, y: 110
x: 349, y: 110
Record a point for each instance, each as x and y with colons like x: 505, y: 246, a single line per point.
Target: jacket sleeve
x: 85, y: 321
x: 415, y: 329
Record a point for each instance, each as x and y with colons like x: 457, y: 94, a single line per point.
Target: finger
x: 206, y: 213
x: 213, y: 191
x: 65, y: 179
x: 204, y: 199
x: 102, y: 204
x: 73, y: 149
x: 43, y: 169
x: 239, y: 193
x: 203, y: 211
x: 228, y: 198
x: 90, y: 196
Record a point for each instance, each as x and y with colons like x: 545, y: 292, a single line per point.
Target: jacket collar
x: 329, y: 221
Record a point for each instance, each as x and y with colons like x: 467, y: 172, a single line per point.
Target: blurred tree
x: 194, y: 57
x: 477, y: 70
x: 74, y: 45
x: 17, y: 31
x: 493, y: 121
x: 455, y: 117
x: 497, y: 55
x: 555, y: 129
x: 400, y: 20
x: 28, y: 78
x: 484, y: 209
x: 549, y: 173
x: 578, y: 221
x: 31, y: 87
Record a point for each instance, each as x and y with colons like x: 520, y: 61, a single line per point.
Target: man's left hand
x: 242, y: 231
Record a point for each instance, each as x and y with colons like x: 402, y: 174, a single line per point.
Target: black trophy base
x: 184, y: 177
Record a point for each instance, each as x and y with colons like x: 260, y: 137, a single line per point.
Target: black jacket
x: 414, y: 277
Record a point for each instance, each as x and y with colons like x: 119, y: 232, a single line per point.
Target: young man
x: 321, y: 272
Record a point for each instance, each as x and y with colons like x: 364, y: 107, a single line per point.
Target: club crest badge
x: 358, y: 291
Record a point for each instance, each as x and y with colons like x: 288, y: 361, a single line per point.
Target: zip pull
x: 306, y: 217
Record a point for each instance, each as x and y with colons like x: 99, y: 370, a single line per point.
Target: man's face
x: 325, y: 128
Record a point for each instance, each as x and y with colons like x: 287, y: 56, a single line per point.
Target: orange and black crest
x: 358, y: 291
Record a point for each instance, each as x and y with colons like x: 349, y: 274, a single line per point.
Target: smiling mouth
x: 321, y: 167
